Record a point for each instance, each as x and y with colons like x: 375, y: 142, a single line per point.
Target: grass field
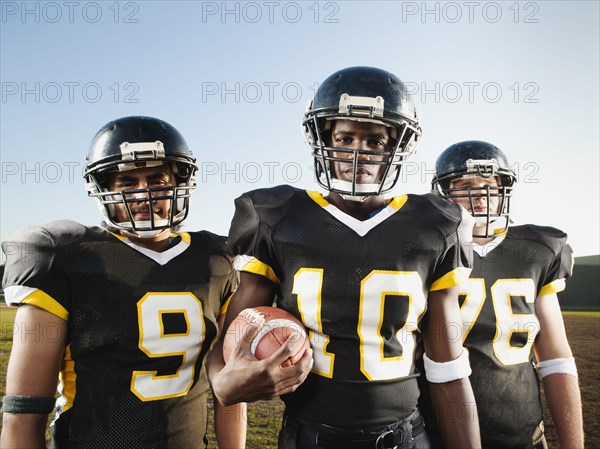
x: 583, y: 330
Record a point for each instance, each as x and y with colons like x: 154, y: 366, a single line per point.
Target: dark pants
x: 538, y: 440
x: 304, y: 434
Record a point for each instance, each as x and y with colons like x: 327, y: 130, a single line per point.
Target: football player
x: 368, y: 276
x: 510, y: 307
x: 125, y: 313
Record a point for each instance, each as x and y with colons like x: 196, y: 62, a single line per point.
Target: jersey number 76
x: 504, y: 292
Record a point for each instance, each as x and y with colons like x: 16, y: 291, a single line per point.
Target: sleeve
x: 251, y: 238
x: 455, y: 265
x: 31, y: 275
x: 229, y: 287
x: 560, y: 270
x: 244, y: 228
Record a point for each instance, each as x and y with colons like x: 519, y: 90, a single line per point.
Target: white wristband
x: 557, y: 366
x: 442, y: 372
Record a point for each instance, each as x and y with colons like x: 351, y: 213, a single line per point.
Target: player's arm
x: 244, y: 378
x: 32, y: 372
x: 230, y: 422
x: 230, y: 425
x: 447, y: 371
x: 556, y: 367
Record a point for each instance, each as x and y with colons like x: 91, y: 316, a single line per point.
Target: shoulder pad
x: 47, y: 237
x: 210, y: 242
x: 437, y: 210
x: 553, y: 238
x: 271, y: 203
x: 272, y: 196
x: 31, y: 251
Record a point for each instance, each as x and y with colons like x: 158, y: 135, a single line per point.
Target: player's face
x: 354, y: 135
x: 478, y: 187
x: 142, y: 178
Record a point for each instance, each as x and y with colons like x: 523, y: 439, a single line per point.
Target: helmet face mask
x: 364, y: 95
x: 496, y: 198
x: 124, y: 147
x: 457, y: 170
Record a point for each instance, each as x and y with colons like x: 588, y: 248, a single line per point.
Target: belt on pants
x: 390, y: 437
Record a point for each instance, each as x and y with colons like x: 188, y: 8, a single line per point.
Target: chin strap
x: 125, y: 228
x: 497, y: 226
x: 357, y: 199
x: 143, y: 234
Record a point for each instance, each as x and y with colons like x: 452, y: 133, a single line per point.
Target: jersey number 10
x: 374, y: 289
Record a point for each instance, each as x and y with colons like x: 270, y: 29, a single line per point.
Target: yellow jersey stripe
x: 46, y: 302
x: 398, y: 201
x: 317, y: 198
x: 225, y: 306
x: 257, y: 267
x: 455, y: 277
x: 555, y: 286
x: 185, y: 237
x: 67, y: 378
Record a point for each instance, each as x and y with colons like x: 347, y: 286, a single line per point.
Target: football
x: 279, y: 325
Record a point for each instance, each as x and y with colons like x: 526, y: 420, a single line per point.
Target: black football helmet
x: 365, y: 94
x: 130, y: 143
x: 477, y: 158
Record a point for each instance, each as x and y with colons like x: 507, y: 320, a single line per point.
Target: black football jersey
x: 500, y: 327
x: 360, y: 288
x: 140, y: 324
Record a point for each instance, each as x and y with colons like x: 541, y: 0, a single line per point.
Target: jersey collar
x: 484, y: 250
x: 360, y: 227
x: 164, y: 257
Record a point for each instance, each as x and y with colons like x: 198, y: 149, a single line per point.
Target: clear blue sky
x: 234, y: 79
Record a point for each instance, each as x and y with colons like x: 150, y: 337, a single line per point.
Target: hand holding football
x: 279, y: 325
